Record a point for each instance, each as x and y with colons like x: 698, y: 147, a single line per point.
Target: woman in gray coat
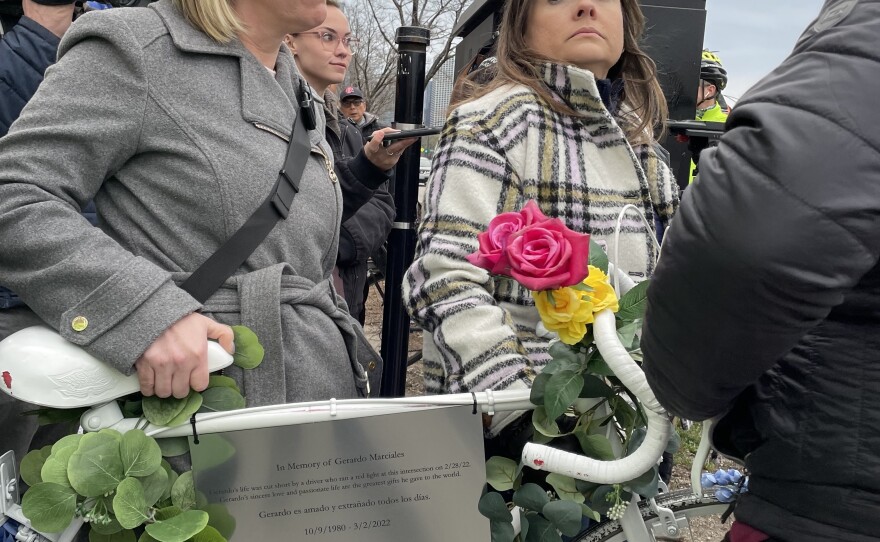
x: 175, y: 119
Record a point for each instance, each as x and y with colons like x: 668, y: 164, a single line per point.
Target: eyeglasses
x: 331, y: 40
x: 352, y: 103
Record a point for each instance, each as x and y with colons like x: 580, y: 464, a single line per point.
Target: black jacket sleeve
x: 365, y: 232
x: 359, y: 179
x: 782, y: 222
x: 25, y: 53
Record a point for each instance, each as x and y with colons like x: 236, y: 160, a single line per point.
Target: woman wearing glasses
x: 322, y: 55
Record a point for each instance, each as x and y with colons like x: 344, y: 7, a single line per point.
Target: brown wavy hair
x: 644, y: 111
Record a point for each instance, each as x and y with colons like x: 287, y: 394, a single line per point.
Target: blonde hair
x: 216, y: 18
x: 644, y: 107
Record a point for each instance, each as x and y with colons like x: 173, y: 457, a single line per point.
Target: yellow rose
x: 602, y: 296
x: 566, y: 311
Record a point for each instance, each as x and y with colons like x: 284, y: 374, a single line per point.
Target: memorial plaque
x: 415, y: 476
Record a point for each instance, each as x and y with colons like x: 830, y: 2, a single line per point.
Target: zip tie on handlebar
x: 490, y: 398
x: 474, y: 395
x: 192, y: 421
x: 333, y: 406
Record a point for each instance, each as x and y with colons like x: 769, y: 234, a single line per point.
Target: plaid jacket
x: 495, y: 154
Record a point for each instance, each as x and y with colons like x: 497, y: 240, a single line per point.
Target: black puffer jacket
x: 366, y: 231
x: 766, y: 300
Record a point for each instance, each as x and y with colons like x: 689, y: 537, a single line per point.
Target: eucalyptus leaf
x: 67, y: 441
x: 501, y: 472
x: 248, y: 350
x: 595, y: 446
x: 145, y: 537
x: 55, y: 471
x: 52, y: 416
x: 541, y: 530
x: 531, y: 497
x: 536, y: 394
x: 598, y: 258
x: 112, y: 527
x: 133, y: 408
x: 179, y: 528
x: 492, y: 506
x: 193, y: 404
x: 627, y: 334
x: 160, y: 411
x: 220, y: 381
x: 598, y: 501
x: 129, y: 504
x: 183, y: 492
x: 590, y: 513
x: 155, y: 486
x: 634, y: 303
x: 96, y: 466
x: 565, y: 487
x: 565, y: 515
x: 141, y: 455
x: 674, y: 442
x: 167, y: 513
x: 63, y: 455
x: 561, y: 391
x: 174, y: 446
x: 221, y: 399
x: 543, y: 424
x: 31, y: 465
x: 118, y: 536
x: 172, y: 477
x: 49, y: 507
x: 111, y: 433
x: 208, y: 534
x: 598, y: 366
x: 523, y: 524
x: 216, y: 451
x: 636, y: 438
x: 502, y: 531
x: 625, y: 414
x: 595, y: 387
x: 220, y: 519
x: 647, y: 485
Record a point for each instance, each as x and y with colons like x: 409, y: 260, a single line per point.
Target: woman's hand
x: 178, y: 360
x: 385, y: 157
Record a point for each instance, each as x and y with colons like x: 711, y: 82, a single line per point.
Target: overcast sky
x: 752, y: 37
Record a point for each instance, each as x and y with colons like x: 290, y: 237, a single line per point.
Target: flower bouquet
x: 121, y: 481
x: 579, y: 400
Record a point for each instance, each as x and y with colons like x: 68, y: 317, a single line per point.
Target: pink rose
x: 491, y: 255
x: 547, y: 255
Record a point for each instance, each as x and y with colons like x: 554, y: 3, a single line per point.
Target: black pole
x: 412, y: 44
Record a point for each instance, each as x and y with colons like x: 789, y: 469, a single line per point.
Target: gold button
x: 371, y: 366
x: 80, y: 323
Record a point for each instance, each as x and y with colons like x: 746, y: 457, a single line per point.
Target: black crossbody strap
x: 211, y: 275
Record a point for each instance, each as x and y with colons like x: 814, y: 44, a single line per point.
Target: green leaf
x: 561, y: 391
x: 248, y: 350
x: 107, y: 528
x: 566, y: 515
x: 193, y: 404
x: 523, y: 524
x: 55, y: 471
x: 52, y: 416
x: 167, y: 513
x: 598, y: 502
x: 634, y: 303
x: 541, y: 530
x: 96, y: 466
x: 221, y: 399
x: 598, y: 258
x: 67, y: 441
x: 627, y: 334
x: 502, y: 531
x: 155, y: 485
x: 30, y: 467
x: 543, y: 424
x: 132, y: 409
x: 536, y: 394
x: 674, y: 442
x: 563, y: 357
x: 141, y: 455
x: 636, y: 438
x: 625, y: 414
x: 590, y: 513
x: 595, y: 387
x: 160, y: 411
x: 220, y: 381
x: 111, y: 433
x: 173, y: 447
x: 119, y: 536
x: 220, y: 519
x: 179, y: 528
x: 145, y: 537
x: 598, y: 366
x: 129, y: 504
x: 215, y: 451
x: 208, y: 534
x: 492, y: 506
x: 565, y: 487
x: 531, y: 497
x: 595, y: 446
x: 172, y: 477
x: 50, y: 507
x: 501, y: 472
x: 647, y: 485
x: 183, y: 492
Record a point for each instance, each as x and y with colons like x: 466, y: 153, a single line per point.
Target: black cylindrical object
x: 412, y: 44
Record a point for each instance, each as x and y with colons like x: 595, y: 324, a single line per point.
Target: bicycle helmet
x: 712, y: 71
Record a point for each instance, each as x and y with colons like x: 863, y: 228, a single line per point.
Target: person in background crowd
x: 711, y: 106
x: 599, y: 102
x: 322, y: 55
x: 765, y: 307
x: 26, y: 51
x: 354, y: 107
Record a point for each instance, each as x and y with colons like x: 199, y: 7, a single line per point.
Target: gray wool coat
x: 178, y: 138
